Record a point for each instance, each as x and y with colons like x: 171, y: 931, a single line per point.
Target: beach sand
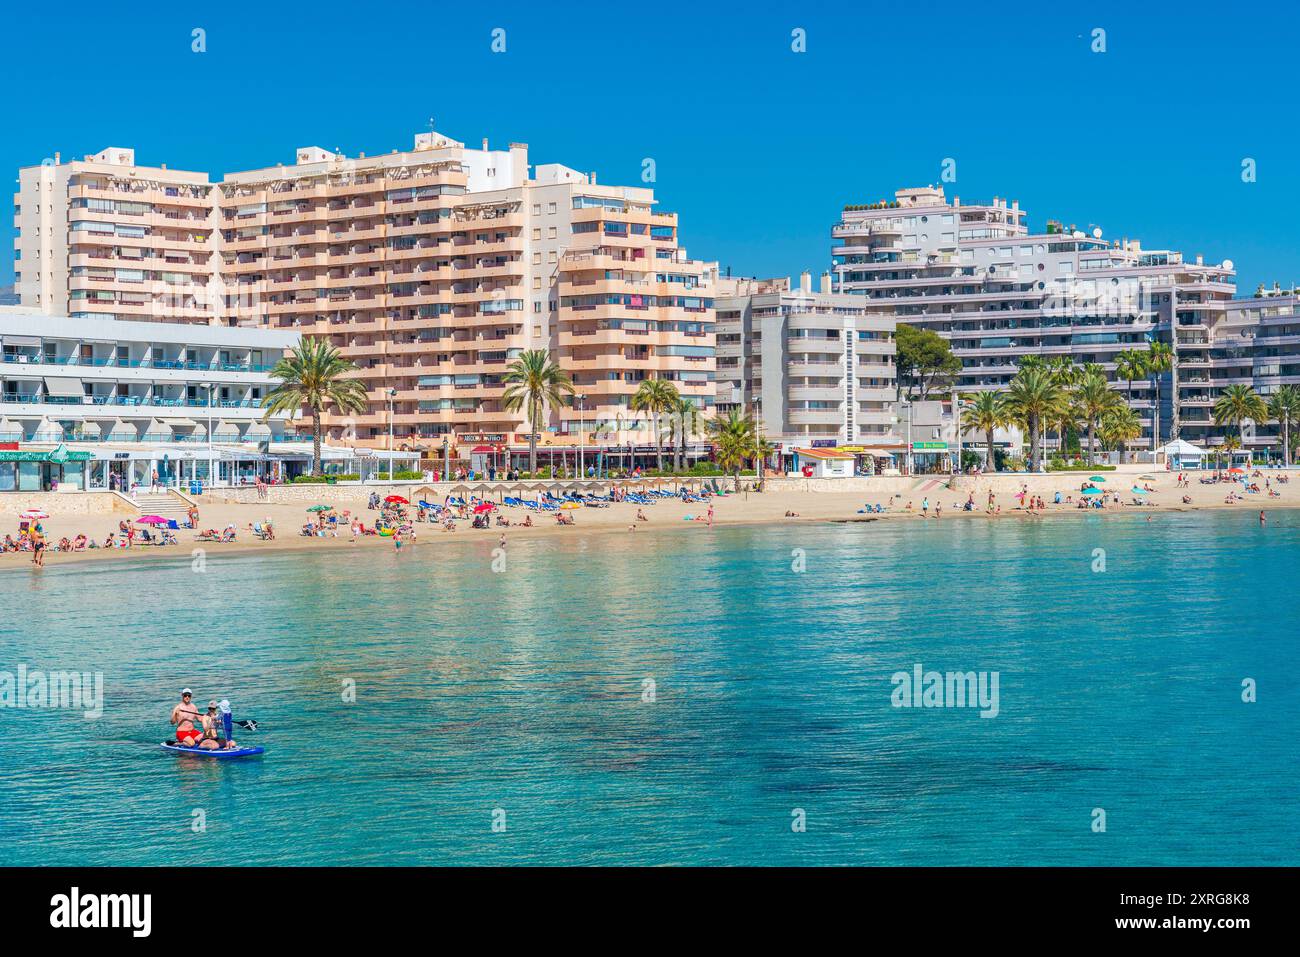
x: 620, y: 518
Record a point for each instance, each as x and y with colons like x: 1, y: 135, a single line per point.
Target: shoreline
x: 726, y: 516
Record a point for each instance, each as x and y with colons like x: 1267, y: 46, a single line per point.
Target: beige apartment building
x: 431, y: 269
x: 105, y: 238
x: 815, y: 368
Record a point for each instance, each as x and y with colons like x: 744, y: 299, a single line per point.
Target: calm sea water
x: 523, y: 691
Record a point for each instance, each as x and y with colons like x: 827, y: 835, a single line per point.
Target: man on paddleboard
x: 186, y: 717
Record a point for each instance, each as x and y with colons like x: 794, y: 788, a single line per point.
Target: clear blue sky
x: 757, y: 147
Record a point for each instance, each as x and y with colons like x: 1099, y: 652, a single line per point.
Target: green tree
x: 735, y: 440
x: 1129, y: 365
x: 987, y: 412
x: 534, y: 382
x: 924, y: 361
x: 1237, y: 403
x: 1284, y: 409
x: 1093, y: 398
x: 1034, y: 397
x: 1119, y: 426
x: 312, y: 375
x: 656, y: 396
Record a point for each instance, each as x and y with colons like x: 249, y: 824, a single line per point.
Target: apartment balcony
x: 815, y: 417
x: 820, y: 393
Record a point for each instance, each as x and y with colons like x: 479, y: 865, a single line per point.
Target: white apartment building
x: 141, y: 397
x: 976, y: 275
x: 815, y: 368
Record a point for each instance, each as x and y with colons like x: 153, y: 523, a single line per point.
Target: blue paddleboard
x: 210, y: 753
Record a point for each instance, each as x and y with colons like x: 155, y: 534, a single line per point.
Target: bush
x: 1060, y: 465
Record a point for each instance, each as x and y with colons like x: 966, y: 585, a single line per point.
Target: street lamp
x: 581, y: 451
x: 392, y: 394
x: 446, y: 459
x: 211, y: 388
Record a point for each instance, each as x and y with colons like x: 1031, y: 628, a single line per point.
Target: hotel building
x: 976, y: 275
x: 141, y: 397
x: 430, y: 269
x: 815, y: 368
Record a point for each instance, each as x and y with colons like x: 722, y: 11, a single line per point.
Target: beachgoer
x: 184, y: 716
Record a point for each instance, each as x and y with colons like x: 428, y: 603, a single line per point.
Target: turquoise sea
x: 521, y: 697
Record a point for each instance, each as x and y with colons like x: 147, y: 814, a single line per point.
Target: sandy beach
x: 746, y: 507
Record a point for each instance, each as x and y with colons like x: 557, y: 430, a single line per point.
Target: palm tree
x: 312, y: 375
x: 656, y: 396
x: 682, y: 426
x: 1094, y: 398
x: 986, y: 412
x: 735, y: 440
x: 1033, y: 398
x: 1284, y: 409
x: 1129, y: 365
x: 533, y: 382
x: 1160, y: 359
x: 1067, y: 376
x: 763, y: 450
x: 1237, y: 403
x: 1119, y: 426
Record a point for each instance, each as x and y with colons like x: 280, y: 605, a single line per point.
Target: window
x: 537, y: 209
x: 550, y: 232
x: 550, y: 209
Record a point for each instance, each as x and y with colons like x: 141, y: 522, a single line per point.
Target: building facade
x: 977, y: 276
x: 431, y: 269
x: 143, y: 397
x: 815, y: 368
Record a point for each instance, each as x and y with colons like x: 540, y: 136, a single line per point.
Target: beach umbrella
x: 1092, y: 491
x: 1139, y: 491
x: 1095, y: 478
x: 398, y: 499
x: 1236, y: 471
x: 321, y: 508
x: 33, y: 513
x: 482, y: 507
x: 151, y: 520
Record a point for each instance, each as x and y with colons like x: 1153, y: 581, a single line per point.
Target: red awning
x: 483, y: 448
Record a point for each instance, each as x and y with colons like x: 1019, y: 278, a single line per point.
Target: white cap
x: 187, y: 691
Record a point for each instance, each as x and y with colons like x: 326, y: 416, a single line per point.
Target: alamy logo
x: 53, y: 689
x: 953, y: 689
x: 75, y: 910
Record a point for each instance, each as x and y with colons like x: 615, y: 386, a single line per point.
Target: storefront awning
x: 64, y: 388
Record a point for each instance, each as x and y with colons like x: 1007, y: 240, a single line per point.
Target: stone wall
x: 66, y: 503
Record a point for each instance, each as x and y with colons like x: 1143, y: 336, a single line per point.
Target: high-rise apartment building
x: 103, y: 237
x: 431, y: 269
x: 976, y: 275
x: 813, y: 367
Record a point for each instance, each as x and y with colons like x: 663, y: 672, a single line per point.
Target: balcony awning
x: 9, y: 428
x: 90, y: 428
x: 181, y: 423
x: 64, y: 388
x: 121, y: 429
x: 258, y: 430
x: 158, y: 427
x: 22, y: 341
x: 225, y: 428
x: 48, y: 431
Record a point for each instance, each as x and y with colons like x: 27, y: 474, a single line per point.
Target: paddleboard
x: 224, y: 753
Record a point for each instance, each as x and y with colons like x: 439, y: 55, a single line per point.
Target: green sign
x: 929, y: 446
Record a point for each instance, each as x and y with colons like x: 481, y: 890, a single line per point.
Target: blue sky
x: 756, y: 146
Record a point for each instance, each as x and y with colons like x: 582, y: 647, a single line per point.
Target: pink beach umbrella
x: 151, y: 520
x: 33, y: 513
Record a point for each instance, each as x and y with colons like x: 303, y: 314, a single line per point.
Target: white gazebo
x: 1179, y: 454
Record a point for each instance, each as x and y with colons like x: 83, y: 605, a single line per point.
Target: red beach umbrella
x: 398, y: 499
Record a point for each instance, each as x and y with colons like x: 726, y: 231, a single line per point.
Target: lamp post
x: 581, y: 451
x: 211, y: 388
x: 446, y: 459
x: 392, y: 394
